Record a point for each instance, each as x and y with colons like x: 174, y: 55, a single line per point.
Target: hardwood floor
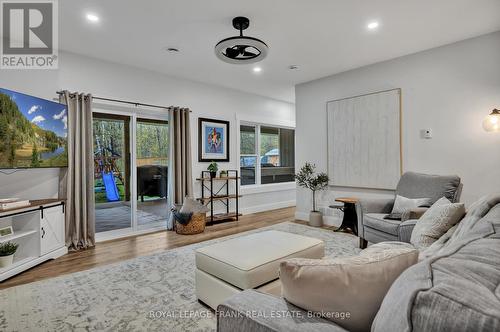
x: 122, y: 249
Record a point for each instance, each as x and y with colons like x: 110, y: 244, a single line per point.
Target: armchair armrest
x: 372, y: 205
x: 252, y: 311
x: 414, y: 213
x: 405, y: 229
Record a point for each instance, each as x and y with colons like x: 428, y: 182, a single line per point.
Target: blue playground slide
x: 111, y: 190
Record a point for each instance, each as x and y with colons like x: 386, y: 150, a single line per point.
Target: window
x: 248, y: 154
x: 267, y: 154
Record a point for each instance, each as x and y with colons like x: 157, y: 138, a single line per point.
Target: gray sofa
x: 455, y: 287
x: 372, y: 227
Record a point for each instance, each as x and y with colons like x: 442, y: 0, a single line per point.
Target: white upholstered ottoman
x: 252, y: 261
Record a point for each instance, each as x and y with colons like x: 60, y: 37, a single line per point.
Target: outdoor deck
x: 117, y: 215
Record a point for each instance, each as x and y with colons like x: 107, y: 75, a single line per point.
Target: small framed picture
x: 213, y: 140
x: 6, y: 231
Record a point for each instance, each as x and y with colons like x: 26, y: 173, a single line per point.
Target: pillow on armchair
x: 404, y: 204
x: 348, y: 290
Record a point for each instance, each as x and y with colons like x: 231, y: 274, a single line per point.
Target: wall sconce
x: 492, y: 121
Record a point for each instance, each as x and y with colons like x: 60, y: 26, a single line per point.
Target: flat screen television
x: 33, y: 131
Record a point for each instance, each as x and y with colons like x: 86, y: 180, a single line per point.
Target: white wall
x: 105, y: 79
x: 449, y: 89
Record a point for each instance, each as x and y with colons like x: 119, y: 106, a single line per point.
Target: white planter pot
x: 315, y: 219
x: 6, y: 261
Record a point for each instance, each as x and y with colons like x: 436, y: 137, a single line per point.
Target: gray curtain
x: 77, y: 181
x: 180, y: 174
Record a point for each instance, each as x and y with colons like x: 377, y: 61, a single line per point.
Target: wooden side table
x: 350, y: 220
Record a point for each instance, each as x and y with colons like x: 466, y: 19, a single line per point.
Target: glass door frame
x: 133, y: 114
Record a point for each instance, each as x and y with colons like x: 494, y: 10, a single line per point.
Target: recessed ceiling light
x: 257, y: 69
x: 172, y: 50
x: 373, y: 25
x: 92, y: 17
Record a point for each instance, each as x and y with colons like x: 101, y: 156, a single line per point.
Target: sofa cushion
x: 354, y: 285
x: 482, y: 208
x: 387, y: 245
x: 435, y: 222
x: 252, y: 260
x: 456, y: 289
x: 253, y: 311
x: 377, y: 221
x: 415, y: 185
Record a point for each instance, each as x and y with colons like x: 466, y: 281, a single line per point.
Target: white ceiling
x: 323, y: 37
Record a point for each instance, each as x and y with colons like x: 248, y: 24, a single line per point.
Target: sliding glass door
x: 130, y: 160
x: 112, y: 190
x: 152, y: 170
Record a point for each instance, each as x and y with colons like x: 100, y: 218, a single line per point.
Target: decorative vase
x: 315, y: 219
x: 6, y: 261
x: 213, y: 174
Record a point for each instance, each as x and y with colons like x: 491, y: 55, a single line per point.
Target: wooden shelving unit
x: 211, y: 193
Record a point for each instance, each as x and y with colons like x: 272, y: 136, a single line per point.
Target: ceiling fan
x: 241, y: 49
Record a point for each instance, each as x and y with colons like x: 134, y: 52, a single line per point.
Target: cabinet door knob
x: 43, y: 232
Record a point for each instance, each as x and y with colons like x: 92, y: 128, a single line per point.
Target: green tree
x: 12, y: 153
x: 152, y: 140
x: 247, y: 142
x: 268, y: 142
x: 4, y: 127
x: 35, y: 161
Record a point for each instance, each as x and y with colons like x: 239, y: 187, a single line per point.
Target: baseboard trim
x: 268, y: 207
x: 302, y: 216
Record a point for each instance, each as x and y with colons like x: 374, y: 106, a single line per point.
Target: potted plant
x: 306, y: 178
x: 212, y: 168
x: 223, y: 174
x: 7, y: 251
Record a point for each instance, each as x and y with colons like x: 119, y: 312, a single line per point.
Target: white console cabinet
x: 39, y: 231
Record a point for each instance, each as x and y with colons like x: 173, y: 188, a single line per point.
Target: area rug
x: 150, y: 293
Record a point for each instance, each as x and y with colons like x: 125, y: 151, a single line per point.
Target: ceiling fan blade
x: 232, y: 53
x: 246, y: 53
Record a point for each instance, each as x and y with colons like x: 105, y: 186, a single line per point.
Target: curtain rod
x: 124, y: 101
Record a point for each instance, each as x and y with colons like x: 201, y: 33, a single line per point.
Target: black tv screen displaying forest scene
x: 33, y: 131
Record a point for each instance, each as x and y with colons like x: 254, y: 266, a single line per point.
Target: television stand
x: 39, y: 231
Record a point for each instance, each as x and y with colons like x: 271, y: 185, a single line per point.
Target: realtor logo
x: 29, y: 34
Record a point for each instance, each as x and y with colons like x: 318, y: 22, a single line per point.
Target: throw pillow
x: 193, y: 206
x: 349, y: 290
x: 435, y: 222
x: 402, y: 204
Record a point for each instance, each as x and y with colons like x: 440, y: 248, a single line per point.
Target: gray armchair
x: 372, y: 226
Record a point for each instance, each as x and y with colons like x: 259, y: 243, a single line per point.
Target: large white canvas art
x: 364, y: 140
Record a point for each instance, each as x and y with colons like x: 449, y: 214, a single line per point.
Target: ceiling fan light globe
x: 492, y: 122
